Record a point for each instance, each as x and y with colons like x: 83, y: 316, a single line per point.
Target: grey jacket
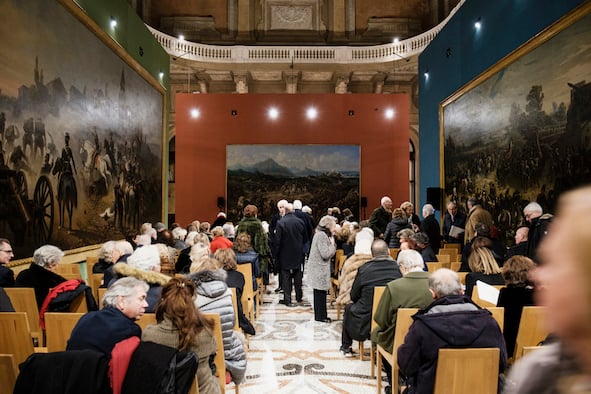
x: 319, y: 267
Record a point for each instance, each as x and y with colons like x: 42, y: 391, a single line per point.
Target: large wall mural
x: 78, y: 124
x: 522, y: 131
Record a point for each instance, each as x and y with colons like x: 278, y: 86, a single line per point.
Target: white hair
x: 145, y: 258
x: 297, y: 204
x: 179, y: 233
x: 410, y: 259
x: 47, y: 255
x: 533, y: 207
x: 445, y: 282
x: 428, y: 208
x: 385, y: 199
x: 281, y: 203
x: 124, y: 287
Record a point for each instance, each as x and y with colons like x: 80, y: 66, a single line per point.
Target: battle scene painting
x: 81, y: 133
x: 522, y: 133
x: 321, y: 176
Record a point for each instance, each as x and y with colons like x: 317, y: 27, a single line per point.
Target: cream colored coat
x: 348, y: 274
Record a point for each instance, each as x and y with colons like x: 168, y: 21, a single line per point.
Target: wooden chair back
x: 8, y: 372
x: 433, y: 266
x: 443, y: 258
x: 90, y: 277
x: 101, y: 293
x: 146, y: 320
x: 394, y: 252
x: 532, y: 329
x: 337, y: 257
x: 194, y: 387
x: 459, y: 371
x: 90, y: 262
x: 219, y: 361
x: 480, y: 302
x: 23, y: 300
x: 235, y: 305
x: 455, y: 265
x: 96, y: 280
x: 15, y: 338
x: 462, y: 276
x: 247, y: 292
x: 451, y: 252
x: 457, y: 247
x: 58, y: 327
x: 69, y: 271
x: 498, y: 313
x: 377, y: 296
x: 78, y: 305
x: 527, y: 349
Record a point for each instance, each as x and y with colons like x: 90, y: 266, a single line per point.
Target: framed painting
x: 521, y: 131
x: 321, y: 176
x: 81, y: 127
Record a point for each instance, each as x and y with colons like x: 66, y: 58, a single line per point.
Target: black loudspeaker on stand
x: 434, y: 196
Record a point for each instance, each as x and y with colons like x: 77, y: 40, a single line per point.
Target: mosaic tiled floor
x: 292, y: 353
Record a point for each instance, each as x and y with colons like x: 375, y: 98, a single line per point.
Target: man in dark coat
x: 455, y: 218
x: 357, y: 317
x: 6, y: 254
x: 308, y: 222
x: 521, y: 243
x: 430, y: 226
x: 380, y: 217
x: 290, y: 236
x: 538, y: 227
x: 451, y: 321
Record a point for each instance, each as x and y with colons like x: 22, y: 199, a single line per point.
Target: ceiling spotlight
x: 113, y: 23
x: 477, y: 24
x: 311, y: 113
x: 389, y: 114
x: 181, y: 38
x: 396, y: 40
x: 195, y: 113
x: 273, y: 113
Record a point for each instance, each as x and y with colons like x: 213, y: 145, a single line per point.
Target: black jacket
x: 40, y: 279
x: 392, y: 229
x: 538, y: 229
x: 430, y: 226
x: 6, y: 277
x: 449, y: 322
x: 290, y: 236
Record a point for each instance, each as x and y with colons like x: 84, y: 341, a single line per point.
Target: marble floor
x: 292, y: 353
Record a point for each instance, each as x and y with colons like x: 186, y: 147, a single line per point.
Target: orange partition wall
x: 343, y: 119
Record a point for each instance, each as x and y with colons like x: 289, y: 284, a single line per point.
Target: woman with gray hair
x: 322, y: 249
x: 123, y: 303
x: 41, y: 273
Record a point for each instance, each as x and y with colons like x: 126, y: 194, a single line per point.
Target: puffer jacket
x: 214, y: 296
x: 348, y: 275
x: 154, y: 279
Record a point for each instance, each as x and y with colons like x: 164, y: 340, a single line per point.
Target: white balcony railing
x: 301, y: 54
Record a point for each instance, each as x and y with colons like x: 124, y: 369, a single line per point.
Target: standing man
x: 272, y: 227
x: 308, y: 223
x: 538, y: 227
x: 454, y: 218
x: 430, y: 226
x: 290, y: 236
x: 6, y: 254
x: 476, y: 214
x: 380, y: 217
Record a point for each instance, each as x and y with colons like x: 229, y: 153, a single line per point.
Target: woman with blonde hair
x: 562, y: 286
x: 484, y: 268
x: 182, y: 326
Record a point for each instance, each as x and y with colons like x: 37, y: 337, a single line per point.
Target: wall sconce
x: 311, y: 113
x: 389, y: 114
x: 478, y: 24
x: 234, y: 112
x: 273, y: 113
x: 351, y: 112
x: 113, y: 23
x: 195, y: 113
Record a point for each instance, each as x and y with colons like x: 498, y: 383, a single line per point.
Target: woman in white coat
x: 322, y: 250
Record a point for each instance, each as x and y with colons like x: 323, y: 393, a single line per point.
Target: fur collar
x: 151, y: 277
x: 207, y: 276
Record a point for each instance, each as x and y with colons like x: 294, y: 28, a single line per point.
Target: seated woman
x: 41, y: 273
x: 214, y: 296
x: 484, y: 268
x: 111, y: 252
x: 234, y: 279
x: 246, y: 254
x: 518, y: 293
x: 398, y: 223
x: 186, y: 255
x: 182, y: 326
x: 123, y: 303
x: 144, y: 264
x: 362, y: 255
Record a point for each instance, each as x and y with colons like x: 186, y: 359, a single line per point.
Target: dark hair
x: 177, y: 304
x: 242, y: 242
x: 516, y: 269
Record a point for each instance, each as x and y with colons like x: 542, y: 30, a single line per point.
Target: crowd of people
x: 548, y: 251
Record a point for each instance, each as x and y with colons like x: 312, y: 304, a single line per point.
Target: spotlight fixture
x: 396, y: 40
x: 273, y: 113
x: 234, y: 112
x: 181, y: 38
x: 311, y: 113
x: 426, y: 74
x: 478, y: 24
x: 351, y: 112
x: 113, y: 23
x: 389, y: 114
x: 195, y: 113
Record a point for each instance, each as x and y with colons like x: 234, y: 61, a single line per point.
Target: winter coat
x: 538, y: 229
x: 476, y: 215
x: 258, y: 239
x: 430, y: 226
x: 252, y: 257
x: 6, y: 277
x: 376, y: 272
x: 392, y: 229
x: 348, y: 275
x: 319, y: 261
x: 40, y: 279
x: 204, y: 345
x: 154, y: 279
x: 492, y: 279
x: 290, y: 236
x: 378, y: 221
x: 214, y: 296
x: 449, y: 322
x: 513, y: 299
x: 101, y: 330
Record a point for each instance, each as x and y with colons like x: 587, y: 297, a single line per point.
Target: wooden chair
x: 455, y: 265
x: 96, y: 280
x: 527, y: 349
x: 90, y: 262
x: 457, y: 247
x: 194, y: 387
x: 259, y: 296
x: 101, y: 293
x: 443, y: 258
x: 219, y: 361
x: 531, y: 331
x: 69, y: 271
x: 433, y: 266
x: 394, y: 252
x: 8, y: 372
x: 15, y: 338
x: 452, y: 253
x: 462, y: 276
x: 91, y: 279
x: 23, y: 300
x: 403, y: 323
x: 235, y: 304
x: 460, y: 371
x: 337, y: 256
x: 58, y: 327
x: 480, y: 302
x: 377, y: 296
x: 498, y: 313
x: 247, y: 292
x: 335, y: 284
x: 146, y: 320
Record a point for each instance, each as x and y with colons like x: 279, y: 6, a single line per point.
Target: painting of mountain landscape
x: 321, y: 176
